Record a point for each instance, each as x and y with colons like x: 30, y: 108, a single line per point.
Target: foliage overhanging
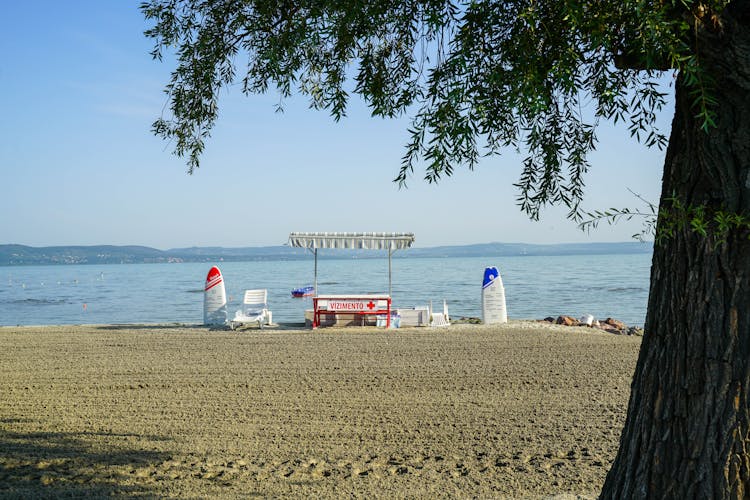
x: 476, y: 77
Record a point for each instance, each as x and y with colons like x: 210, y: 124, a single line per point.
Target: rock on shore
x: 609, y: 325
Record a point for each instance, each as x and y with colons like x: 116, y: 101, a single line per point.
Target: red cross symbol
x: 370, y: 305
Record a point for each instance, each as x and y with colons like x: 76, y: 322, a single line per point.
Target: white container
x: 381, y: 320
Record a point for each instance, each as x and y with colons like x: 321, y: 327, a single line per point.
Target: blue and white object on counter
x: 305, y: 291
x: 493, y: 298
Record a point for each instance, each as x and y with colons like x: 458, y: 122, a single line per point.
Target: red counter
x: 366, y: 304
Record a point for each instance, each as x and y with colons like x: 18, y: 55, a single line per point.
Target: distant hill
x: 510, y: 249
x: 19, y: 255
x: 12, y: 255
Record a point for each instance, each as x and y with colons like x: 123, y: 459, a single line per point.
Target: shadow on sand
x: 59, y: 464
x: 165, y: 327
x: 150, y: 327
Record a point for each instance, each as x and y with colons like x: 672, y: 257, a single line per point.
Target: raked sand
x: 522, y: 410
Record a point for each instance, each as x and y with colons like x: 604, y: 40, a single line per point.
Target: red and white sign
x: 355, y: 305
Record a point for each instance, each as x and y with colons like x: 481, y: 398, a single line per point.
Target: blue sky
x: 79, y: 164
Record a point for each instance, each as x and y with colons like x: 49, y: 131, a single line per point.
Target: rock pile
x: 468, y: 320
x: 609, y: 325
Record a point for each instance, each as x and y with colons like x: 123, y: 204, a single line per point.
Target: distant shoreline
x: 22, y: 255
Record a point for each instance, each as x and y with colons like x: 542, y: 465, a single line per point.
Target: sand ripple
x: 523, y: 410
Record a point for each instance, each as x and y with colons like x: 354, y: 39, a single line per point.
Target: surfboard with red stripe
x: 214, y: 299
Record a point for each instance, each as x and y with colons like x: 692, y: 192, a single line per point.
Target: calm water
x: 535, y: 287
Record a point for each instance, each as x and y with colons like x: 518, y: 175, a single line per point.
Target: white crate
x: 417, y: 316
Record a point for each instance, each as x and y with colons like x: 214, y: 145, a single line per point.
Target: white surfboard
x: 214, y: 299
x: 493, y: 298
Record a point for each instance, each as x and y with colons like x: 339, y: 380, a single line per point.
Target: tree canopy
x: 474, y: 76
x: 538, y: 76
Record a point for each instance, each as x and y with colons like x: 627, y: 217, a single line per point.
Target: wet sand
x: 523, y: 410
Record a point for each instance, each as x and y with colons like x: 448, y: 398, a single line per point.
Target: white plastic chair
x: 254, y: 309
x: 440, y: 319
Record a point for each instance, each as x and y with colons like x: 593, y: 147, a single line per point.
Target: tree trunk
x: 687, y: 433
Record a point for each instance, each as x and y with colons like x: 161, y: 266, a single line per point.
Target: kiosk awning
x: 367, y: 241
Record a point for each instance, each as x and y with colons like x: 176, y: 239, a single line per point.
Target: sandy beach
x: 523, y: 410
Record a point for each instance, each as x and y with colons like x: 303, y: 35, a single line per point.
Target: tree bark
x: 687, y: 432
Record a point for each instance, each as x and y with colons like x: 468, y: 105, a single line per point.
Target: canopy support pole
x: 314, y: 251
x: 390, y: 252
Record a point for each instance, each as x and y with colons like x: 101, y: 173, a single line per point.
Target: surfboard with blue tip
x: 493, y: 297
x: 490, y: 274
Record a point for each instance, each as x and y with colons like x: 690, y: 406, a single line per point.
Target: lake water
x: 535, y: 287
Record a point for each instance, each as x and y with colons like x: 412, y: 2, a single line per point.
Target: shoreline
x: 517, y: 410
x: 459, y: 323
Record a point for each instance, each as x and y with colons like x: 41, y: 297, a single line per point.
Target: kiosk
x: 357, y: 304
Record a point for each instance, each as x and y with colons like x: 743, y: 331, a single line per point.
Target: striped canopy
x: 367, y: 241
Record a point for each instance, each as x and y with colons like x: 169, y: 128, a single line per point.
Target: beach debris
x: 567, y: 321
x: 609, y: 325
x: 619, y: 325
x: 634, y: 330
x: 471, y: 320
x: 608, y: 328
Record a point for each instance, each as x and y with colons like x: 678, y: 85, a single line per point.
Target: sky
x: 79, y: 164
